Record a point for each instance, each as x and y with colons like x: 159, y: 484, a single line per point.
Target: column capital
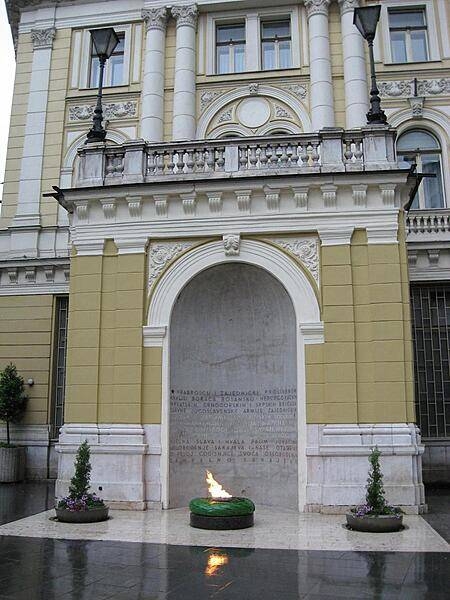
x: 185, y: 15
x: 155, y: 18
x: 317, y: 7
x: 348, y: 5
x: 43, y: 38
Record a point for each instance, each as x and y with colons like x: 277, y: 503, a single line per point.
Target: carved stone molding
x: 215, y: 201
x: 243, y: 198
x: 329, y: 195
x: 49, y: 273
x: 282, y: 113
x: 406, y: 88
x: 226, y: 115
x: 30, y: 274
x: 189, y: 202
x: 12, y: 275
x: 316, y: 7
x: 231, y: 244
x: 81, y: 210
x: 388, y: 194
x: 134, y: 205
x: 111, y: 111
x: 301, y: 197
x: 297, y: 89
x: 155, y: 18
x: 416, y: 104
x: 109, y: 207
x: 359, y: 193
x: 185, y: 15
x: 253, y: 89
x: 161, y: 205
x: 207, y: 97
x: 161, y: 254
x: 348, y: 5
x: 272, y: 198
x: 43, y: 38
x: 306, y: 250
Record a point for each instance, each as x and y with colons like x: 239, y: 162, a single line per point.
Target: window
x: 230, y: 48
x: 408, y: 33
x: 59, y: 365
x: 276, y: 45
x: 420, y: 147
x: 114, y: 68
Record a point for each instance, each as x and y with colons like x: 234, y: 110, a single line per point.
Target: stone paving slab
x: 272, y: 530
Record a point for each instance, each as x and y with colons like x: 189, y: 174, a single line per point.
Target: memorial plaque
x: 233, y: 403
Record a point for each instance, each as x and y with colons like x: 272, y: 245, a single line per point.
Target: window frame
x: 383, y: 31
x: 417, y: 154
x: 407, y: 30
x: 108, y: 66
x: 230, y: 45
x: 276, y: 40
x: 253, y: 21
x: 85, y: 68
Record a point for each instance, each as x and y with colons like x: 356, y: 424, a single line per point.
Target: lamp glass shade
x: 366, y: 19
x: 104, y: 41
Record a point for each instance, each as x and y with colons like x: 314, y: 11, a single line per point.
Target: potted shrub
x: 81, y: 505
x: 375, y: 515
x: 13, y: 403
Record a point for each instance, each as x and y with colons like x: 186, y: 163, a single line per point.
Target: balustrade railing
x: 326, y: 151
x: 428, y: 222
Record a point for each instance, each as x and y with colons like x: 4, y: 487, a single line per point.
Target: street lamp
x: 104, y: 42
x: 366, y: 20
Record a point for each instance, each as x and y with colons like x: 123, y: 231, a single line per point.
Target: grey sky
x: 7, y: 70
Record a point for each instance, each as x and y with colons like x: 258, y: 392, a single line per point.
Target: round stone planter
x: 12, y: 464
x: 234, y: 513
x: 375, y: 524
x: 92, y: 515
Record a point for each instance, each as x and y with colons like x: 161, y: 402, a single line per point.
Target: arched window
x: 421, y: 147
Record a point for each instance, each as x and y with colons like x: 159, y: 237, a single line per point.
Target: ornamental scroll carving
x: 155, y: 18
x: 185, y: 15
x: 316, y: 7
x: 161, y: 254
x: 406, y: 88
x: 305, y: 250
x: 43, y: 38
x: 112, y: 110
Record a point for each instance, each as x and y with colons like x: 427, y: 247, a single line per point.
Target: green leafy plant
x: 13, y: 400
x: 79, y: 497
x: 375, y: 499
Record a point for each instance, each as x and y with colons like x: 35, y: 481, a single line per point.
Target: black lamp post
x: 104, y: 42
x: 366, y: 20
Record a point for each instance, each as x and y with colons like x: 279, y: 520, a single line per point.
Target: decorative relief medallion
x: 253, y: 89
x: 410, y: 88
x: 306, y: 250
x: 416, y: 104
x: 298, y: 89
x: 185, y: 15
x: 155, y: 18
x: 231, y: 244
x: 253, y: 112
x: 316, y: 7
x: 207, y: 97
x: 111, y: 110
x: 227, y: 115
x: 43, y: 38
x: 161, y: 254
x: 282, y: 113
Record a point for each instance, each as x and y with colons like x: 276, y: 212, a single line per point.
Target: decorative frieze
x: 155, y: 18
x: 43, y: 38
x: 298, y: 89
x: 112, y: 111
x: 407, y: 88
x: 185, y: 15
x: 161, y: 254
x: 231, y: 244
x: 34, y: 278
x: 306, y: 250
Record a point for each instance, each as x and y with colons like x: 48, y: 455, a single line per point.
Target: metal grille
x: 431, y: 336
x: 59, y: 362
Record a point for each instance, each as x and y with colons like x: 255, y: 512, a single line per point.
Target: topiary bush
x: 13, y: 401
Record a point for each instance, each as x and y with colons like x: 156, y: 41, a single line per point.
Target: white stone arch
x: 66, y: 173
x: 437, y: 124
x: 263, y: 90
x: 309, y: 328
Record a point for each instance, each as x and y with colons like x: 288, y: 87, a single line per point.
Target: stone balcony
x: 328, y: 151
x: 429, y: 225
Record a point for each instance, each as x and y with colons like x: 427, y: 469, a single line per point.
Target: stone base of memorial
x: 229, y: 513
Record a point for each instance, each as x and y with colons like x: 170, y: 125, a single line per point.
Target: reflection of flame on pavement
x: 215, y: 489
x: 215, y: 561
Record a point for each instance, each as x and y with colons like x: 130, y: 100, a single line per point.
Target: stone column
x: 184, y: 121
x: 28, y: 201
x: 355, y: 74
x: 152, y: 105
x: 322, y: 101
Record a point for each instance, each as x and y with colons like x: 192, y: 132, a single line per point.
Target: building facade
x: 230, y: 281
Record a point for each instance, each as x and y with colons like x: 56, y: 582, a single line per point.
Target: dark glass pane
x: 407, y: 18
x: 276, y: 29
x: 234, y: 33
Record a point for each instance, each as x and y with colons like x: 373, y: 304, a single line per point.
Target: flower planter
x: 12, y: 465
x: 91, y: 515
x: 375, y: 524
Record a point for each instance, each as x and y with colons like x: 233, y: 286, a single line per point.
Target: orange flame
x: 215, y: 490
x: 214, y: 562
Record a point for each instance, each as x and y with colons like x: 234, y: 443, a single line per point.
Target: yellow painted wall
x: 363, y: 372
x: 337, y: 64
x: 26, y: 341
x: 17, y: 129
x: 54, y: 127
x: 169, y: 78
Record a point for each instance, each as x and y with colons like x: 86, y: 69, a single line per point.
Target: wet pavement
x: 438, y: 516
x: 41, y: 568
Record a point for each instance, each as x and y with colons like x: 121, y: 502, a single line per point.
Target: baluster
x: 289, y: 153
x: 159, y: 162
x: 243, y: 161
x: 200, y: 162
x: 150, y: 163
x: 210, y: 152
x: 170, y: 162
x: 253, y: 159
x: 304, y: 156
x: 189, y: 161
x: 274, y: 158
x: 220, y: 158
x: 179, y: 165
x: 348, y: 151
x: 315, y: 154
x: 263, y: 158
x: 283, y: 156
x: 358, y: 151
